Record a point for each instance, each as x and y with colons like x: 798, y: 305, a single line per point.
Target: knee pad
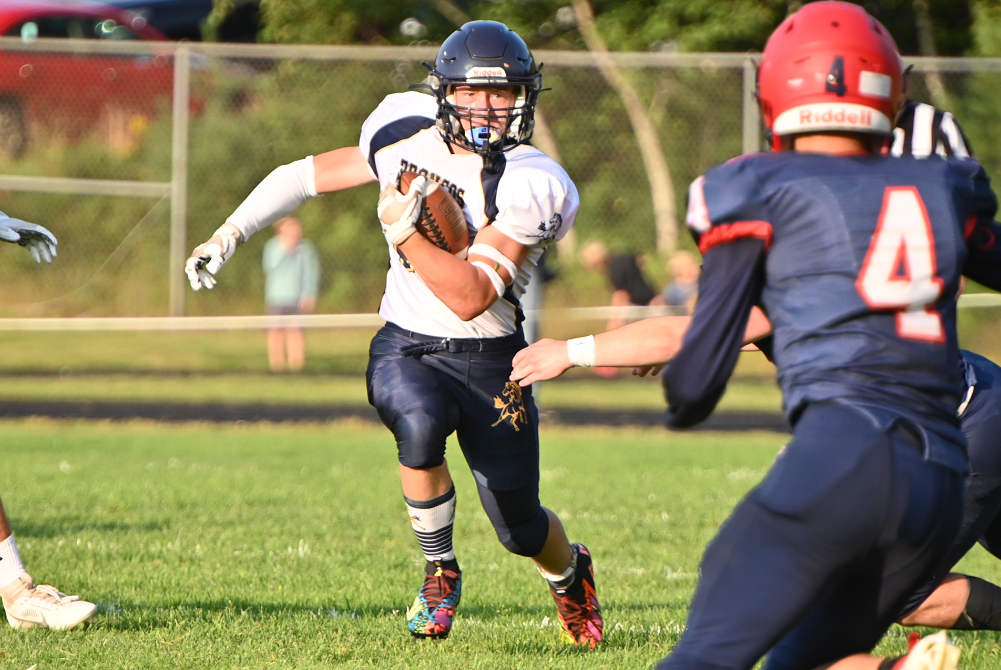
x: 420, y: 439
x: 522, y: 526
x: 413, y: 403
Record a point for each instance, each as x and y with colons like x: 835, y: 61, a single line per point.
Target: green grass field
x: 265, y: 546
x: 231, y: 367
x: 625, y: 393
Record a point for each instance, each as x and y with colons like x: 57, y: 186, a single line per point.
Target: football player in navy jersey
x: 954, y: 601
x: 854, y: 258
x: 25, y: 604
x: 441, y: 363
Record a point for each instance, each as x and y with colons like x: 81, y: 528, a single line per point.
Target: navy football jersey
x: 856, y: 261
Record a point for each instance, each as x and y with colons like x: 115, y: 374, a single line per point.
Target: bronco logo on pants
x: 511, y: 406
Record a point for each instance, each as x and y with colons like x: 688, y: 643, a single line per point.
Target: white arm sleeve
x: 278, y: 195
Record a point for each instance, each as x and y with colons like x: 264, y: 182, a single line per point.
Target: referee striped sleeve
x: 923, y: 131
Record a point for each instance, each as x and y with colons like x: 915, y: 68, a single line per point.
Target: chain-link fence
x: 134, y: 152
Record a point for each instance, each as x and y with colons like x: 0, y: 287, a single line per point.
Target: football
x: 441, y: 221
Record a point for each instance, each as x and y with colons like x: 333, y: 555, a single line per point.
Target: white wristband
x: 581, y: 351
x: 492, y: 275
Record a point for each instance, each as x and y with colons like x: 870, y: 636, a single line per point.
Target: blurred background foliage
x: 630, y: 25
x: 259, y: 113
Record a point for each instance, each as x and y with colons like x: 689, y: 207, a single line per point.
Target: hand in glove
x: 399, y: 212
x: 39, y: 241
x: 207, y: 258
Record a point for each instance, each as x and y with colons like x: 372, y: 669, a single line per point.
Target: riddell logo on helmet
x: 486, y: 73
x: 807, y: 117
x: 831, y: 116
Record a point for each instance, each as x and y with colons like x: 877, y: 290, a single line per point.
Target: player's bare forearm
x: 462, y: 287
x: 341, y: 169
x: 645, y: 344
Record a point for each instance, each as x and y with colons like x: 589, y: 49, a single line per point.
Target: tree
x: 352, y: 22
x: 687, y: 111
x: 634, y: 25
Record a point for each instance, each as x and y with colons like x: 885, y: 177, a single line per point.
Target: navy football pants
x: 816, y: 562
x: 981, y: 422
x: 425, y: 388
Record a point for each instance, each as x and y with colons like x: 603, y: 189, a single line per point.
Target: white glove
x: 207, y: 258
x: 39, y: 241
x: 399, y: 212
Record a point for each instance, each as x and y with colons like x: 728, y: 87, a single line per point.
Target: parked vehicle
x: 73, y: 94
x: 177, y: 19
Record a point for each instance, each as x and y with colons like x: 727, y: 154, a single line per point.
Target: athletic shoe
x: 577, y: 604
x: 934, y: 652
x: 28, y: 605
x: 434, y: 608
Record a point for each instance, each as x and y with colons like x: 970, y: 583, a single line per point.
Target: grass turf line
x: 624, y: 393
x: 289, y: 547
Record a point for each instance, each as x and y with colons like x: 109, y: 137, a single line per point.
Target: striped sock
x: 432, y: 521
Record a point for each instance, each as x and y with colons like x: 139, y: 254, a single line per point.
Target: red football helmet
x: 830, y: 67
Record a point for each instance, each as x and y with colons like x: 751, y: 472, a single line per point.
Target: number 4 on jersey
x: 899, y: 269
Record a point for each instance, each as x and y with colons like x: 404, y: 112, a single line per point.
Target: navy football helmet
x: 485, y: 53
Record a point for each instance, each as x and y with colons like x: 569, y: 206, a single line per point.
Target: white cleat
x: 934, y: 652
x: 44, y: 606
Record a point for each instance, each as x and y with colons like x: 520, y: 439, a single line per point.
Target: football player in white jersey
x: 453, y: 322
x: 25, y: 604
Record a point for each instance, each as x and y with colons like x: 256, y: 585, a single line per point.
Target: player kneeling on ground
x: 25, y: 604
x: 453, y: 316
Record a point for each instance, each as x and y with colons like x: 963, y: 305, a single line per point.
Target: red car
x: 72, y: 95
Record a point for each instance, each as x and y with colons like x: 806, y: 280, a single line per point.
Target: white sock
x: 11, y: 566
x: 566, y: 578
x: 432, y: 521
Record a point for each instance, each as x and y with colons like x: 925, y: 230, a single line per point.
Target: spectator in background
x: 292, y: 280
x: 629, y: 287
x: 681, y: 293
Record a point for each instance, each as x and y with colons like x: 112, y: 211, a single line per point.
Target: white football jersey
x: 529, y: 198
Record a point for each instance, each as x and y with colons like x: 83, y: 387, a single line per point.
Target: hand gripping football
x: 441, y: 220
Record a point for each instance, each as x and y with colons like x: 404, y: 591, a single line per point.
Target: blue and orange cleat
x: 577, y: 604
x: 434, y: 608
